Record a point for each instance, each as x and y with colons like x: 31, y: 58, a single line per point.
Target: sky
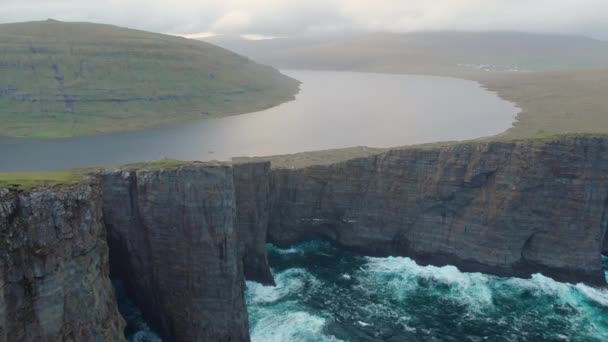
x: 288, y: 18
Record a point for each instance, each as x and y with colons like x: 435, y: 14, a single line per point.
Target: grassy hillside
x: 561, y: 85
x: 553, y: 102
x: 64, y: 79
x: 29, y: 180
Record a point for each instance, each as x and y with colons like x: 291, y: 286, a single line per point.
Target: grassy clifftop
x: 66, y: 79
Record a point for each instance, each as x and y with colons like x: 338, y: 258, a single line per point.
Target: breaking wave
x: 324, y: 294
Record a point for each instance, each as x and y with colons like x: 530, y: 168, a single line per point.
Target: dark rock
x: 173, y: 239
x: 252, y: 193
x: 184, y: 238
x: 54, y: 283
x: 510, y: 209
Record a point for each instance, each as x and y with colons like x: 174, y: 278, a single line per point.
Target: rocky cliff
x: 184, y: 237
x: 54, y: 271
x: 507, y: 208
x: 253, y: 208
x: 174, y: 242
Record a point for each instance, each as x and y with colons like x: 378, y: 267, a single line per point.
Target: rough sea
x: 326, y: 294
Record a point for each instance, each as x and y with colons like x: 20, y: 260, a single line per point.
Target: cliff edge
x: 184, y: 236
x: 506, y: 208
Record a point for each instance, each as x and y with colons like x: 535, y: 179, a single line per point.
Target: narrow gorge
x: 185, y: 238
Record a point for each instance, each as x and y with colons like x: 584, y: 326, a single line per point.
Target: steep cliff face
x: 184, y: 238
x: 605, y: 249
x: 54, y: 283
x: 173, y: 240
x: 253, y: 207
x: 504, y: 208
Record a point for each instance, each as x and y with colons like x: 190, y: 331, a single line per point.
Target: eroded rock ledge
x: 184, y: 237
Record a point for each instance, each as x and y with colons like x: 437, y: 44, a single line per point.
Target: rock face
x: 54, y: 271
x: 253, y: 206
x: 184, y: 238
x: 504, y: 208
x: 173, y: 240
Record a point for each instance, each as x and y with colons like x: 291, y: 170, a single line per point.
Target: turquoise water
x: 325, y: 294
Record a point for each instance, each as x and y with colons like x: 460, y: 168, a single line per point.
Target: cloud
x: 296, y: 17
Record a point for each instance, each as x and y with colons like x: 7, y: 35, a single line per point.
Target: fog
x: 281, y: 18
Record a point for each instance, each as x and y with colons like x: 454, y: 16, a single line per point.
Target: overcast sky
x: 306, y: 17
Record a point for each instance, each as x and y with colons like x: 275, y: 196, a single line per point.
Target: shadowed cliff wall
x: 184, y: 238
x: 173, y: 236
x: 54, y: 272
x: 510, y: 209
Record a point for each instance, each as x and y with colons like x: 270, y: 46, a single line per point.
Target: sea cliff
x: 173, y: 238
x: 184, y: 237
x: 506, y: 208
x: 54, y: 270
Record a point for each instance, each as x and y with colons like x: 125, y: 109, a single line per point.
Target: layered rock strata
x: 506, y: 208
x: 184, y: 238
x: 173, y: 238
x: 54, y: 270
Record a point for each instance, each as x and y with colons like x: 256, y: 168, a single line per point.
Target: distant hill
x: 64, y: 79
x: 563, y: 88
x: 428, y: 52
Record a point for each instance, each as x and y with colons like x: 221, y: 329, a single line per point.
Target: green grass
x: 155, y: 164
x: 68, y: 79
x: 29, y: 180
x: 553, y: 102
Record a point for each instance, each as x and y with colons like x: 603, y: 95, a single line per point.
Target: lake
x: 333, y: 110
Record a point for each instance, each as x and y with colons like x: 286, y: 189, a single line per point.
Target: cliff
x: 184, y: 236
x: 173, y: 237
x: 507, y: 208
x: 54, y: 271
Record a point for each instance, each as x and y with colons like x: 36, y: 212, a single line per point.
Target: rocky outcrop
x: 183, y: 238
x: 173, y: 240
x: 507, y: 208
x: 253, y: 207
x: 54, y: 271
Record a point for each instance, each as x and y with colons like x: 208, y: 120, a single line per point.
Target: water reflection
x: 333, y: 110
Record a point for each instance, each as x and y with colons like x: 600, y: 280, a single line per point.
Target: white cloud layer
x: 305, y: 17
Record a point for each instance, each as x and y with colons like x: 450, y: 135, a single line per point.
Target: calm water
x: 324, y: 294
x: 333, y: 110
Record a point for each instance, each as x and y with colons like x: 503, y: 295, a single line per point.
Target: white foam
x: 401, y: 275
x: 315, y: 247
x: 566, y: 293
x: 476, y: 290
x: 596, y: 295
x: 288, y: 282
x: 293, y: 327
x: 287, y: 251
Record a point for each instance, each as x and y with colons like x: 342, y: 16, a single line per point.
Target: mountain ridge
x: 67, y: 79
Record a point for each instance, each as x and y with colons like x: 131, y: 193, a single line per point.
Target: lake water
x: 332, y: 110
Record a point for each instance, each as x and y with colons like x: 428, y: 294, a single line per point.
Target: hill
x: 428, y: 52
x: 66, y: 79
